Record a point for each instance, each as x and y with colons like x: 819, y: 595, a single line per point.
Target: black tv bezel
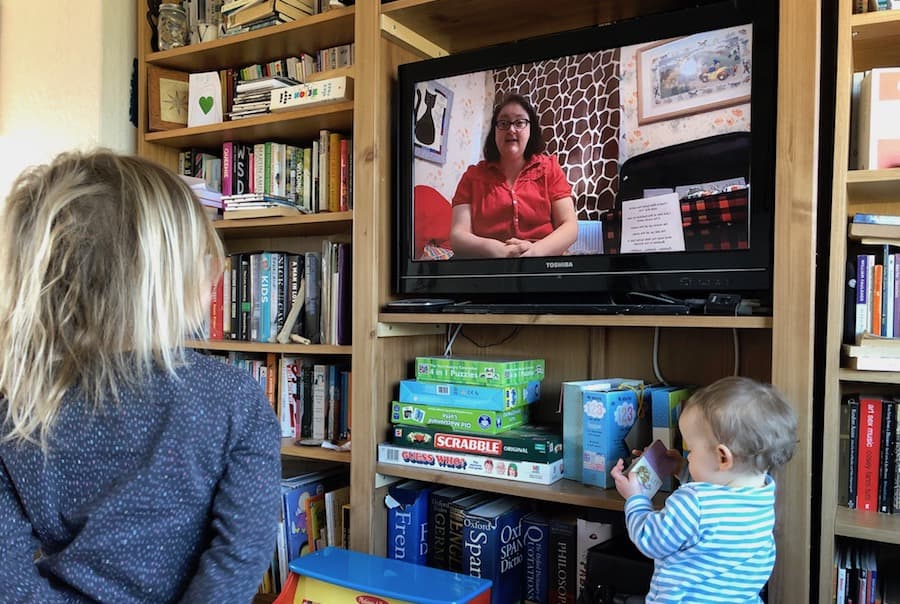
x: 746, y: 271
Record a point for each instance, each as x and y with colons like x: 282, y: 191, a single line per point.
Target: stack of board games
x: 471, y: 416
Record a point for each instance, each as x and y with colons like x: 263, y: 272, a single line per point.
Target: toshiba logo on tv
x: 559, y: 264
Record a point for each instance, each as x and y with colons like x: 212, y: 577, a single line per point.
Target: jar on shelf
x: 173, y: 26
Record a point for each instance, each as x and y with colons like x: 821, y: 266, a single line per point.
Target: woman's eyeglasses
x: 517, y: 124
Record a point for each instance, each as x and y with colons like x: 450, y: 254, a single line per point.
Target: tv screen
x: 634, y: 157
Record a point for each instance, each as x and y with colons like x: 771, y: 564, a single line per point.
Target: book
x: 335, y: 500
x: 869, y: 345
x: 296, y: 490
x: 887, y: 219
x: 345, y: 525
x: 868, y: 454
x: 589, y: 534
x: 652, y: 466
x: 867, y: 363
x: 563, y: 559
x: 315, y: 521
x: 492, y: 547
x: 458, y: 510
x: 465, y: 396
x: 473, y: 465
x: 439, y: 524
x: 571, y: 407
x: 536, y: 542
x: 407, y: 521
x: 887, y: 460
x: 478, y: 371
x: 526, y: 443
x: 878, y: 128
x: 852, y: 403
x: 470, y: 421
x: 608, y: 417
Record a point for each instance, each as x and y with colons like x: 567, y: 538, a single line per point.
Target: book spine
x: 868, y: 456
x: 227, y: 167
x: 334, y: 172
x: 439, y: 517
x: 887, y: 298
x: 255, y: 260
x: 853, y: 452
x: 265, y: 297
x: 536, y: 541
x: 345, y: 525
x: 887, y: 460
x: 323, y: 170
x: 343, y: 198
x: 408, y: 528
x: 235, y: 297
x: 307, y: 417
x: 895, y: 507
x: 877, y: 296
x: 320, y: 377
x: 562, y: 563
x: 242, y: 155
x: 311, y: 309
x: 861, y: 295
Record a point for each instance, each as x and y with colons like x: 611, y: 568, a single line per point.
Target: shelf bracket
x: 409, y: 39
x: 392, y: 330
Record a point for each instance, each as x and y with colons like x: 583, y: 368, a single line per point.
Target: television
x: 661, y: 125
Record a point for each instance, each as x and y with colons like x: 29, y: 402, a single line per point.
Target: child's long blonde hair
x: 106, y: 262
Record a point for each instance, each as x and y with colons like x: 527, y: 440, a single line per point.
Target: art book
x: 652, y: 467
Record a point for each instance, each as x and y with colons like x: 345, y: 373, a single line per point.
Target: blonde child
x: 713, y: 541
x: 131, y: 469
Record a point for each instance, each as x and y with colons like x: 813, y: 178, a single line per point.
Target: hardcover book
x: 439, y: 524
x: 295, y: 493
x: 868, y: 454
x: 526, y: 443
x: 608, y: 417
x: 571, y: 406
x: 458, y: 510
x: 563, y: 560
x: 590, y: 533
x: 466, y: 396
x: 471, y: 421
x: 479, y: 371
x: 493, y: 549
x: 536, y: 541
x: 473, y: 465
x: 407, y: 521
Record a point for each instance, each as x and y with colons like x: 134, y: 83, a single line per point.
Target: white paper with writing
x: 652, y: 224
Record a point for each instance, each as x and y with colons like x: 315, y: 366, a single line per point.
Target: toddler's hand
x: 625, y: 485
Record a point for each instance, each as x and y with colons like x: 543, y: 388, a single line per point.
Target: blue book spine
x: 407, y: 520
x: 493, y: 549
x: 876, y: 218
x: 265, y: 296
x: 608, y: 417
x: 536, y: 541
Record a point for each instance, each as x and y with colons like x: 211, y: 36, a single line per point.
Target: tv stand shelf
x: 708, y: 321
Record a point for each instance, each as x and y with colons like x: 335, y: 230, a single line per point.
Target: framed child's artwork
x: 432, y: 121
x: 693, y: 74
x: 167, y: 105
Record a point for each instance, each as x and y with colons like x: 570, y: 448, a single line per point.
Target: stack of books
x: 471, y: 416
x: 253, y: 97
x: 873, y: 289
x: 246, y: 15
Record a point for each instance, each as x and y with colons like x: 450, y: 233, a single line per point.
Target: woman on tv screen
x: 517, y: 201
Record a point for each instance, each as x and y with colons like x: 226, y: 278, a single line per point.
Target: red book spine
x: 869, y: 453
x: 227, y: 162
x: 216, y: 323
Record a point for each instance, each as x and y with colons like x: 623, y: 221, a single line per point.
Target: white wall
x: 65, y: 76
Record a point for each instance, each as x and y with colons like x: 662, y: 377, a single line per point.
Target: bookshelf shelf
x: 449, y: 24
x: 872, y: 377
x: 323, y: 223
x: 583, y: 320
x: 869, y: 32
x: 290, y: 39
x: 289, y: 449
x: 562, y: 491
x: 242, y: 346
x: 871, y: 526
x: 292, y: 125
x: 864, y: 186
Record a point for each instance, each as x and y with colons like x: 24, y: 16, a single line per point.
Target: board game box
x: 479, y: 371
x: 471, y: 421
x: 465, y: 396
x: 526, y: 443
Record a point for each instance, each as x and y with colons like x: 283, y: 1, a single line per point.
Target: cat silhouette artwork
x: 425, y: 132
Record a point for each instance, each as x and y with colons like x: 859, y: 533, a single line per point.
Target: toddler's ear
x: 726, y: 459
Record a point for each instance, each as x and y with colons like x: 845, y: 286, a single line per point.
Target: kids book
x: 652, y: 467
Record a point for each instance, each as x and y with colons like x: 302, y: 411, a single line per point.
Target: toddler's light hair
x: 751, y: 418
x: 106, y: 262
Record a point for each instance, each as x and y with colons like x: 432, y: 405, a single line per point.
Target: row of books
x: 258, y: 298
x: 240, y: 16
x: 857, y: 579
x: 314, y: 178
x: 315, y: 400
x: 529, y: 555
x: 870, y: 6
x: 199, y: 163
x: 870, y: 443
x: 315, y: 514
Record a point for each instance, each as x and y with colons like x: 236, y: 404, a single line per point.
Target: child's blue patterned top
x: 170, y: 495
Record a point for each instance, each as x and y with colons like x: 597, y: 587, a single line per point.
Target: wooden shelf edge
x: 874, y: 377
x: 289, y: 449
x: 242, y: 346
x: 871, y: 526
x: 562, y: 491
x: 585, y: 320
x: 298, y: 220
x: 870, y: 19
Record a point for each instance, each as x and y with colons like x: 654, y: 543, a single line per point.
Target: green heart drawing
x: 206, y: 104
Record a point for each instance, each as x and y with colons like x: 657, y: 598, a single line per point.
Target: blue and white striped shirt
x: 710, y: 543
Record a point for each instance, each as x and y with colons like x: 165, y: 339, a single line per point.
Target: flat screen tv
x: 645, y: 164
